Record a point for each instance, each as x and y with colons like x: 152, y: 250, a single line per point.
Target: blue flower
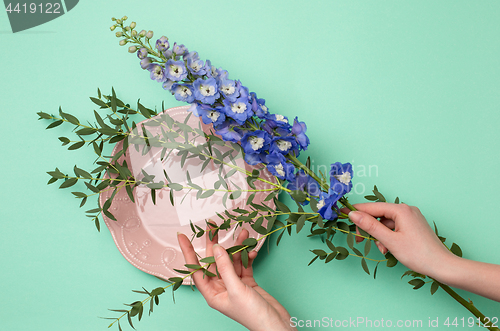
x: 299, y: 131
x: 167, y: 85
x: 194, y: 64
x: 244, y: 92
x: 146, y: 62
x: 142, y: 53
x: 256, y: 158
x: 304, y: 182
x: 176, y: 70
x: 283, y: 145
x: 162, y: 44
x: 157, y: 72
x: 206, y: 90
x: 277, y: 123
x: 179, y: 50
x: 258, y: 106
x: 176, y: 52
x: 279, y: 167
x: 255, y: 142
x: 327, y: 205
x: 219, y: 74
x: 183, y: 92
x: 229, y: 130
x: 229, y: 89
x: 340, y: 178
x: 210, y: 115
x: 239, y: 110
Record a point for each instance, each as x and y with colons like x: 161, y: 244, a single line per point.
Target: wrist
x: 446, y: 269
x: 274, y: 323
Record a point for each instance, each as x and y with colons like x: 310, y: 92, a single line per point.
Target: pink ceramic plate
x: 146, y: 234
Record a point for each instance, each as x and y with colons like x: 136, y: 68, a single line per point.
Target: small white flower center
x: 264, y: 109
x: 214, y: 72
x: 158, y: 72
x: 228, y: 89
x: 207, y: 90
x: 256, y: 143
x: 195, y: 66
x: 238, y: 107
x: 321, y: 203
x: 345, y: 178
x: 283, y: 145
x: 280, y: 118
x: 184, y: 91
x: 213, y: 115
x: 175, y: 71
x: 280, y: 170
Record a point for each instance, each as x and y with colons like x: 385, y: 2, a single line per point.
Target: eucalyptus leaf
x: 368, y: 246
x: 434, y: 287
x: 300, y: 222
x: 350, y: 240
x: 69, y: 182
x: 244, y: 258
x: 417, y: 283
x: 54, y: 124
x: 455, y: 249
x: 251, y: 242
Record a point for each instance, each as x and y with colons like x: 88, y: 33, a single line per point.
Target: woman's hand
x: 412, y: 242
x: 404, y: 231
x: 235, y: 293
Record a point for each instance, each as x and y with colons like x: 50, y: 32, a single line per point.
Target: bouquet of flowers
x: 237, y: 125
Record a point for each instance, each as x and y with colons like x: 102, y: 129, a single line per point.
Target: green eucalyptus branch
x: 111, y: 175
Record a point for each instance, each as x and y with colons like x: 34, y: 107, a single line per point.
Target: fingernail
x: 217, y: 250
x: 355, y: 217
x: 178, y: 233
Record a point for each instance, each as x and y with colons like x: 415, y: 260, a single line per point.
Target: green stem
x: 469, y: 306
x: 346, y: 203
x: 308, y: 171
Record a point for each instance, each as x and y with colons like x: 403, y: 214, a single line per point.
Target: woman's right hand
x: 404, y: 231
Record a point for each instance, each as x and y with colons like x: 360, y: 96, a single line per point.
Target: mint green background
x: 410, y: 87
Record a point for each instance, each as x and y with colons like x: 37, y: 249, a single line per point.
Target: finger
x: 237, y: 257
x: 389, y: 223
x: 226, y: 270
x: 345, y: 210
x: 382, y: 209
x: 371, y: 225
x: 381, y: 247
x: 191, y: 258
x: 248, y: 272
x: 358, y: 238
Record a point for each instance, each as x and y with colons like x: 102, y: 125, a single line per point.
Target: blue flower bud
x: 142, y: 53
x: 162, y: 44
x: 146, y: 62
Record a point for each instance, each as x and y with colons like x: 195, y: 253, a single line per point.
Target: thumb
x: 371, y: 225
x: 225, y: 268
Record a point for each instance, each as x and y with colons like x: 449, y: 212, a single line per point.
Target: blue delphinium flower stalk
x: 240, y: 116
